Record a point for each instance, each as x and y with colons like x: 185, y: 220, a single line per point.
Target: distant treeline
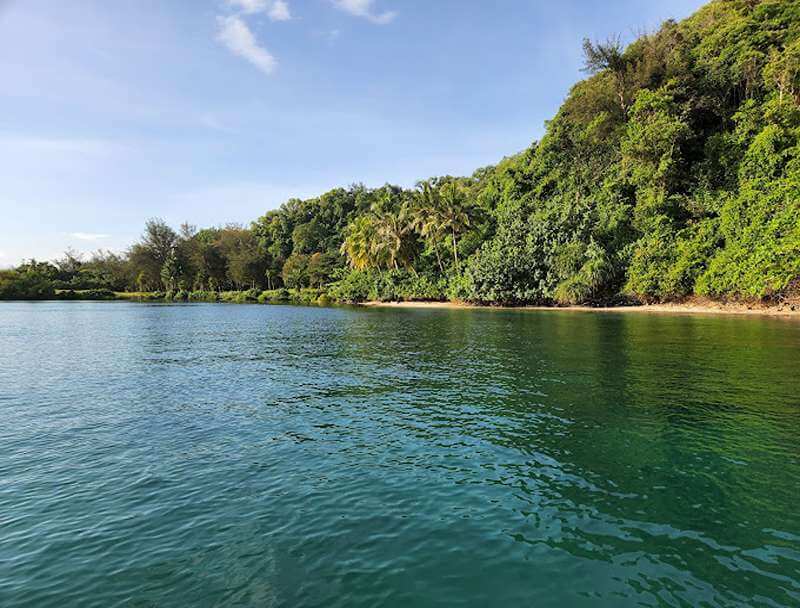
x: 673, y: 170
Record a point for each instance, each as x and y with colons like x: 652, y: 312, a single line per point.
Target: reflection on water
x: 211, y: 455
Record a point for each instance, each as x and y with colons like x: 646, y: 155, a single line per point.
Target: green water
x: 213, y: 455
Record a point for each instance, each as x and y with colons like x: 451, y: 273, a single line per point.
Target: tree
x: 783, y: 72
x: 608, y: 56
x: 70, y: 263
x: 426, y: 218
x: 295, y: 271
x: 360, y: 243
x: 171, y: 271
x: 245, y: 258
x: 150, y: 254
x: 105, y: 270
x: 159, y: 239
x: 455, y: 216
x: 31, y: 280
x: 394, y: 245
x: 443, y: 214
x: 652, y: 151
x: 320, y: 268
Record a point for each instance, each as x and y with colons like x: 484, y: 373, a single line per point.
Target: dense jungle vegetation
x: 673, y: 170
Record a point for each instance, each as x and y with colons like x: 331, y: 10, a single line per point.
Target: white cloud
x: 249, y: 6
x: 88, y: 236
x: 211, y: 121
x: 237, y: 37
x: 276, y: 10
x: 363, y: 8
x: 279, y: 11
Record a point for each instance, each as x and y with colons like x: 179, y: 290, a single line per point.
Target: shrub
x: 87, y: 294
x: 204, y: 296
x: 16, y: 285
x: 354, y: 286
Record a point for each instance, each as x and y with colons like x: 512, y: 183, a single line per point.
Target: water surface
x: 222, y: 455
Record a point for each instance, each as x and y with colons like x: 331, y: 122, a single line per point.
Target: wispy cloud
x: 279, y: 11
x: 237, y: 37
x: 249, y: 7
x: 88, y: 236
x: 276, y: 10
x: 364, y: 9
x: 211, y: 121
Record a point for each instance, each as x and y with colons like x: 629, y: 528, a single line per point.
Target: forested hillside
x: 673, y: 170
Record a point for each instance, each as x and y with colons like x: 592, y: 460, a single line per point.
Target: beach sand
x: 700, y: 307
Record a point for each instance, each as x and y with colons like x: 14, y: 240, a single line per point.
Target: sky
x: 216, y: 111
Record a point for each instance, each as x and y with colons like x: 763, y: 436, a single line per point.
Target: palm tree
x: 360, y: 243
x: 380, y: 239
x: 394, y: 245
x: 443, y: 214
x: 456, y: 215
x: 426, y: 217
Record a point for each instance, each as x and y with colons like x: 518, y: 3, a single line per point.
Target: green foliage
x: 506, y: 270
x: 652, y: 150
x: 295, y: 271
x: 30, y: 281
x: 357, y: 285
x: 203, y: 296
x: 274, y: 296
x: 761, y: 256
x: 87, y: 294
x: 709, y: 156
x: 672, y: 170
x: 388, y: 286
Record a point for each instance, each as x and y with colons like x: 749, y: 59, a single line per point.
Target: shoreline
x: 692, y: 308
x: 789, y: 310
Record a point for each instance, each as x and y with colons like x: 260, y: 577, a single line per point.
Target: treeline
x: 673, y: 170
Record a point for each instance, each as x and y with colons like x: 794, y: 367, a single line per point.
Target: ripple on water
x: 278, y: 456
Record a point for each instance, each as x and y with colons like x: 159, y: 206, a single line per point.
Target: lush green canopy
x: 672, y: 170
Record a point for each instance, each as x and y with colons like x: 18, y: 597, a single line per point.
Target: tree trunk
x: 455, y: 252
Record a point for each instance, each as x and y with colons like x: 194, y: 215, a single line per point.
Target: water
x: 213, y: 455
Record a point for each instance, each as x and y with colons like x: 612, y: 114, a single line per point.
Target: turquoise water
x: 213, y: 455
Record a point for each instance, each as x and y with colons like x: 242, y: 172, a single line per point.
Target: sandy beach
x: 699, y: 307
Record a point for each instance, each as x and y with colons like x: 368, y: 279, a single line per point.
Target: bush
x: 505, y: 270
x: 204, y: 296
x: 353, y: 286
x: 356, y: 286
x: 232, y: 297
x: 274, y: 296
x: 306, y: 297
x: 87, y: 294
x: 238, y: 297
x: 16, y: 285
x: 761, y: 257
x: 251, y: 295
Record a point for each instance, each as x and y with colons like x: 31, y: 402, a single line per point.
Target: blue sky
x: 214, y: 111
